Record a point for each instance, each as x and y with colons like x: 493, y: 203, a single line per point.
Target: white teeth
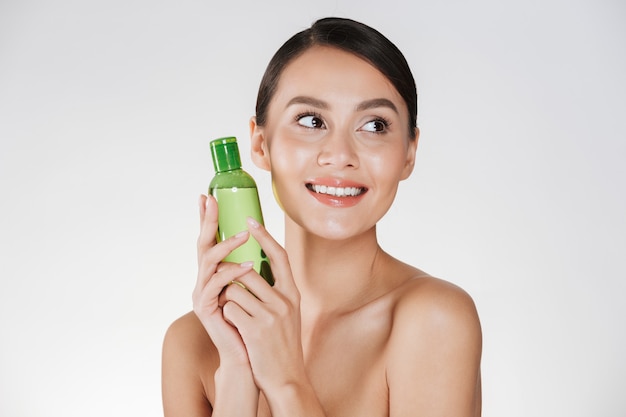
x: 337, y: 191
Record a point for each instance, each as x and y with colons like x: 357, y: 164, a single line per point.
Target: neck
x: 333, y: 276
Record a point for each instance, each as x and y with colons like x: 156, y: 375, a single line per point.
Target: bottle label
x: 235, y: 205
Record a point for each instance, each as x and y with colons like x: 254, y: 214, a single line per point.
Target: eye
x: 311, y: 121
x: 376, y: 126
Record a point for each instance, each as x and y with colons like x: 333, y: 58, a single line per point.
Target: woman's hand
x: 213, y: 276
x: 268, y: 318
x: 253, y: 325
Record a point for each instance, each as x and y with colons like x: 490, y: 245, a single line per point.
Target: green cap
x: 225, y: 154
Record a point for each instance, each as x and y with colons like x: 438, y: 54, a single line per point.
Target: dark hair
x: 350, y: 36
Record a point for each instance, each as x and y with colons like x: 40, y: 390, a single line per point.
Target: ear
x: 258, y: 146
x: 410, y: 155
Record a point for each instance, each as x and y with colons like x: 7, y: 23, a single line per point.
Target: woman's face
x: 336, y: 142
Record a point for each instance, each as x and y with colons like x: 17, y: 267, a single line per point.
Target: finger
x: 208, y: 223
x: 235, y: 315
x: 240, y: 278
x: 218, y: 281
x: 257, y: 286
x: 236, y: 291
x: 212, y: 257
x: 277, y: 255
x: 202, y: 207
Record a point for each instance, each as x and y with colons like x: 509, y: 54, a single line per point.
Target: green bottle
x: 237, y: 199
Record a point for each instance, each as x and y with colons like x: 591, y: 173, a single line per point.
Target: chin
x: 337, y: 230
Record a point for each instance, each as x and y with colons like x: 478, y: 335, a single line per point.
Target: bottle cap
x: 225, y: 154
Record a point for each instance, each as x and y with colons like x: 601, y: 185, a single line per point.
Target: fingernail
x: 253, y: 223
x: 241, y: 234
x: 247, y: 264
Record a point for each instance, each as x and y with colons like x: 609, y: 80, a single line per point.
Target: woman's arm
x: 236, y: 394
x: 435, y: 351
x: 189, y: 361
x: 203, y: 355
x: 268, y: 320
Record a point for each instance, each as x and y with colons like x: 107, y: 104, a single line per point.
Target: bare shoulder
x: 434, y: 350
x: 189, y: 360
x: 427, y: 302
x: 188, y: 325
x: 186, y: 335
x: 421, y: 301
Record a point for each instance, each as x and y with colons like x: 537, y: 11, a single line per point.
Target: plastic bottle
x: 237, y: 199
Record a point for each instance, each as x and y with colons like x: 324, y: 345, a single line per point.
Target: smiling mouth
x: 336, y: 191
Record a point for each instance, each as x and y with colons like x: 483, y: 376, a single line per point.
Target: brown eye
x: 375, y: 126
x: 311, y: 121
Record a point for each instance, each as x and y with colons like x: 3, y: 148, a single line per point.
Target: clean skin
x: 347, y: 329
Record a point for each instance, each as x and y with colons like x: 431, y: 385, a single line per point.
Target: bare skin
x: 347, y: 330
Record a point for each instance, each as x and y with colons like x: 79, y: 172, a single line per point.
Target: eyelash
x: 385, y: 122
x: 302, y: 115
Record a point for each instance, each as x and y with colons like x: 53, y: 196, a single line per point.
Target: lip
x: 338, y: 201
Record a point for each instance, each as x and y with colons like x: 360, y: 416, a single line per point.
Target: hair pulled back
x: 350, y: 36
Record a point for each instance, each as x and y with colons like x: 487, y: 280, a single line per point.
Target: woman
x: 347, y: 330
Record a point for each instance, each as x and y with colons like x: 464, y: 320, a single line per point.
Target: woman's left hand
x: 268, y: 318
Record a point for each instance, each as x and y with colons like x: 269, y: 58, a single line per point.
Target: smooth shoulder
x: 420, y: 298
x: 186, y: 336
x: 430, y: 313
x: 188, y: 331
x: 435, y: 347
x: 189, y: 359
x: 429, y: 301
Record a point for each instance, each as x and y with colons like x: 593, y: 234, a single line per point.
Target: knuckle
x: 283, y: 309
x: 270, y: 321
x: 229, y: 308
x: 207, y: 264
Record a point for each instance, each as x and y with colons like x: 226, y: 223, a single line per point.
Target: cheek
x: 386, y: 169
x: 385, y: 166
x: 287, y: 172
x: 290, y: 159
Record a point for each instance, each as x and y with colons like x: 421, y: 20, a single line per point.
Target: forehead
x: 331, y: 73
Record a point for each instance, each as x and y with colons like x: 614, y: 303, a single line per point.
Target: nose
x: 339, y: 151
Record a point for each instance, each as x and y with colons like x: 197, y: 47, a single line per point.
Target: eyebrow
x: 365, y: 105
x: 376, y: 103
x: 320, y: 104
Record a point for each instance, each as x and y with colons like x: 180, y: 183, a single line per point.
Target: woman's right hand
x: 213, y: 276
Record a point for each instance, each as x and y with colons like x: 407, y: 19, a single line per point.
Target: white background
x: 106, y: 111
